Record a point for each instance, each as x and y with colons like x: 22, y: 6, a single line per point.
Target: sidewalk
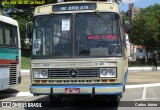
x: 27, y: 72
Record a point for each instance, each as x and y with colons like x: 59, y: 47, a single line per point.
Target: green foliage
x: 145, y: 28
x: 25, y: 16
x: 25, y: 63
x: 125, y: 17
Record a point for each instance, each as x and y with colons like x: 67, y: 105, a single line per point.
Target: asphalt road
x: 141, y: 87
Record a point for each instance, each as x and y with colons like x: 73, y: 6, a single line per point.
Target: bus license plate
x: 72, y: 90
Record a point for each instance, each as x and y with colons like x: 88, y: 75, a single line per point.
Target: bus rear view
x: 78, y: 48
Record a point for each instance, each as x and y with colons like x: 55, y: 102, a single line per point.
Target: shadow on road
x: 8, y: 93
x: 75, y: 103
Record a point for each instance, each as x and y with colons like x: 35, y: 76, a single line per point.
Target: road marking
x: 22, y: 98
x: 144, y: 96
x: 24, y: 94
x: 142, y: 85
x: 18, y: 94
x: 147, y: 99
x: 144, y: 93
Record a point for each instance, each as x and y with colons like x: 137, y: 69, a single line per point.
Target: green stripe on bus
x: 7, y: 56
x: 9, y: 50
x: 9, y: 53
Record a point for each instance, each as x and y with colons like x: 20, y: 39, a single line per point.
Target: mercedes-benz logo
x: 73, y: 73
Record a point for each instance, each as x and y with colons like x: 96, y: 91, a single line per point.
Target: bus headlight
x: 108, y: 72
x: 36, y: 73
x: 40, y: 73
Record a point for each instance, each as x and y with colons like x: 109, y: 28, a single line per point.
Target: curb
x: 25, y: 72
x: 135, y: 69
x: 143, y: 69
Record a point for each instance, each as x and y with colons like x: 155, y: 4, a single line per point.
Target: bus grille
x: 13, y: 74
x: 82, y: 73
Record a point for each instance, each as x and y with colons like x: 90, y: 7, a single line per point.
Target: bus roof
x: 101, y: 6
x: 8, y: 20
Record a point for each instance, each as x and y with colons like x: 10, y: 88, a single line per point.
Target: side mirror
x: 127, y: 27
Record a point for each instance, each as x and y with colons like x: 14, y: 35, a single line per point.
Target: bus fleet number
x: 99, y: 63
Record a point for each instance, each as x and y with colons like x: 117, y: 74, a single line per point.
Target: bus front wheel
x: 55, y: 99
x: 115, y: 99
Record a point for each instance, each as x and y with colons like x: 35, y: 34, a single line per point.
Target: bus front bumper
x: 83, y: 89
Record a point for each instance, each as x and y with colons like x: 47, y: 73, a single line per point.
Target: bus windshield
x: 52, y: 35
x: 95, y: 34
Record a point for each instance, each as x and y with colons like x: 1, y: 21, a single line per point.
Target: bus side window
x: 7, y: 33
x: 1, y: 34
x: 14, y: 37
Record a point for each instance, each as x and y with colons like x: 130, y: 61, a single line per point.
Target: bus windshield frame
x: 81, y: 30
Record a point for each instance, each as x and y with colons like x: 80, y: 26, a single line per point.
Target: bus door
x: 39, y: 42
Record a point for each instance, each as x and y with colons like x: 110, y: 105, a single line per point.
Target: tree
x: 145, y: 28
x: 25, y: 15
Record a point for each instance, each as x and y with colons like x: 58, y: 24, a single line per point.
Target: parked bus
x: 78, y: 48
x: 10, y: 53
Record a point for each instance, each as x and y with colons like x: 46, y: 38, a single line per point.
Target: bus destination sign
x: 73, y: 7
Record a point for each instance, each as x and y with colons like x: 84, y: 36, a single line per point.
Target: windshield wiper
x: 105, y: 20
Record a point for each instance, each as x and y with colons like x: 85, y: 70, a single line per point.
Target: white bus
x: 78, y: 48
x: 10, y: 53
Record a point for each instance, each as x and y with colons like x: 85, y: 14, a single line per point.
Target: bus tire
x: 115, y: 99
x: 35, y: 95
x: 55, y: 99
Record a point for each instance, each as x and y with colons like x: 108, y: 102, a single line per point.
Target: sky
x: 138, y: 4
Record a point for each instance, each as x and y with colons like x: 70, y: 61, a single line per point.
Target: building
x: 132, y: 11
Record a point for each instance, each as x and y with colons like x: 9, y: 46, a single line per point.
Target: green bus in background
x: 10, y: 53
